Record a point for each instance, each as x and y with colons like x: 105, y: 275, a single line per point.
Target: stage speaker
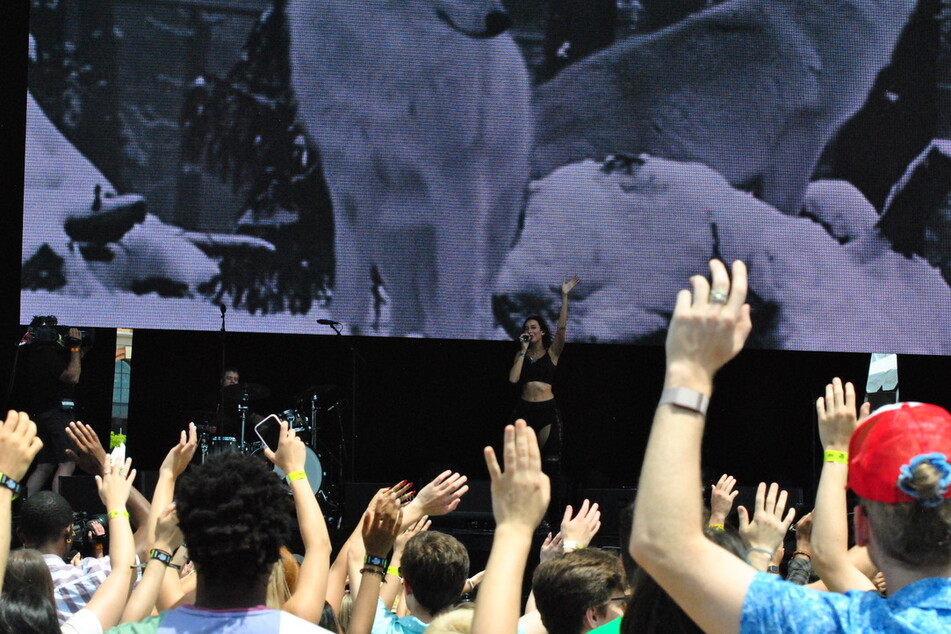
x: 356, y: 496
x: 81, y: 493
x: 612, y: 503
x: 747, y: 499
x: 474, y: 510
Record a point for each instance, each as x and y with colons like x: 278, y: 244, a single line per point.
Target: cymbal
x: 199, y: 416
x: 325, y: 395
x: 317, y: 390
x: 255, y: 391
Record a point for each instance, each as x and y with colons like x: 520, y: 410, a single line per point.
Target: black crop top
x: 542, y: 370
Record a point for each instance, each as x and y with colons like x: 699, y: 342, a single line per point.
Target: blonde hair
x: 277, y: 591
x: 346, y: 611
x: 283, y: 580
x: 456, y: 621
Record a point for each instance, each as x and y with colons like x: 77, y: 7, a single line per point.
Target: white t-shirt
x: 83, y: 622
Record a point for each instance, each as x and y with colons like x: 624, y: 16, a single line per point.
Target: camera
x: 44, y: 329
x: 89, y: 532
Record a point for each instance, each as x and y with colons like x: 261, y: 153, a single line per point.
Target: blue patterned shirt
x: 774, y: 605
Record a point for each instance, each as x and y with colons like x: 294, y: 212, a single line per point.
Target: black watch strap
x: 161, y: 555
x: 9, y: 483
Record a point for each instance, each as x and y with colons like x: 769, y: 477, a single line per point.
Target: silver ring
x: 717, y: 296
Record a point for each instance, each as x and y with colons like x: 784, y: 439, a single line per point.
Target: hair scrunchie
x: 906, y: 475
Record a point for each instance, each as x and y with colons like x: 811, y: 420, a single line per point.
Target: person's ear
x: 594, y: 617
x: 407, y: 587
x: 860, y: 521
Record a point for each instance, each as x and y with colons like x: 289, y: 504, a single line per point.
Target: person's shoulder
x: 292, y: 624
x: 611, y: 627
x: 148, y: 625
x: 93, y: 565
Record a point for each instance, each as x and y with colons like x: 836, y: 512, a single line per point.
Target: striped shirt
x: 73, y: 586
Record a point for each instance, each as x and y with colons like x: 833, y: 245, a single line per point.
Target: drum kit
x: 304, y: 418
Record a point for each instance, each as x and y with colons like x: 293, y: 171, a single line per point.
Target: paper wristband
x: 115, y: 514
x: 296, y: 475
x: 841, y: 457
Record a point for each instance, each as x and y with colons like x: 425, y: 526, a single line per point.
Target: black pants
x: 539, y: 415
x: 51, y: 428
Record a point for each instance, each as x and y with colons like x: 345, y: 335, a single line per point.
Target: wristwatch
x: 10, y: 483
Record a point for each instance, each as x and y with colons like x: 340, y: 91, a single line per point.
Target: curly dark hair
x: 234, y: 514
x: 43, y: 518
x: 543, y: 325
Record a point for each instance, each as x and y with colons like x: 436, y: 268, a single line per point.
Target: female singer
x: 534, y: 370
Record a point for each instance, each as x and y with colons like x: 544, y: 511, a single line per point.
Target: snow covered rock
x: 635, y: 230
x: 841, y: 208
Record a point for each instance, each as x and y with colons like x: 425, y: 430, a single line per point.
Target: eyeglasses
x: 621, y: 598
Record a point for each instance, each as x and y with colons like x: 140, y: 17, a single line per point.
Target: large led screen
x: 435, y: 168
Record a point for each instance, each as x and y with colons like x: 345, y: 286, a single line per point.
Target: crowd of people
x: 211, y: 550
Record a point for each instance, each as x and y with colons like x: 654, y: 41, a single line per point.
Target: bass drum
x: 312, y: 467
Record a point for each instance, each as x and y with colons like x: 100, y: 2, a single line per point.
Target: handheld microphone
x: 524, y: 337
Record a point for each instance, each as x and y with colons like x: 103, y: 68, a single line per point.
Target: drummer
x: 229, y: 398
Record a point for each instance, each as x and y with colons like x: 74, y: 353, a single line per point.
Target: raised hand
x: 721, y: 499
x: 403, y: 492
x: 443, y: 494
x: 181, y: 454
x: 419, y: 526
x: 115, y: 483
x: 168, y: 536
x: 769, y: 525
x: 709, y: 327
x: 569, y: 284
x: 90, y: 455
x: 804, y: 533
x: 382, y: 525
x: 291, y: 451
x: 578, y: 531
x: 551, y: 548
x: 520, y: 491
x: 837, y: 415
x: 19, y: 444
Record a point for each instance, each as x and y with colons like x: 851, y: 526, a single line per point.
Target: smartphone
x: 269, y: 431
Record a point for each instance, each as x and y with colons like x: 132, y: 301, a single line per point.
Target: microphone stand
x: 221, y: 383
x: 354, y: 356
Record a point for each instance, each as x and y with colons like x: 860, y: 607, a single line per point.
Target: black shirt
x: 44, y: 367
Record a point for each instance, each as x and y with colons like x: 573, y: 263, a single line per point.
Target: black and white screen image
x: 436, y: 168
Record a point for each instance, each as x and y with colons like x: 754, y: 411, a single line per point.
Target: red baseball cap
x: 891, y: 443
